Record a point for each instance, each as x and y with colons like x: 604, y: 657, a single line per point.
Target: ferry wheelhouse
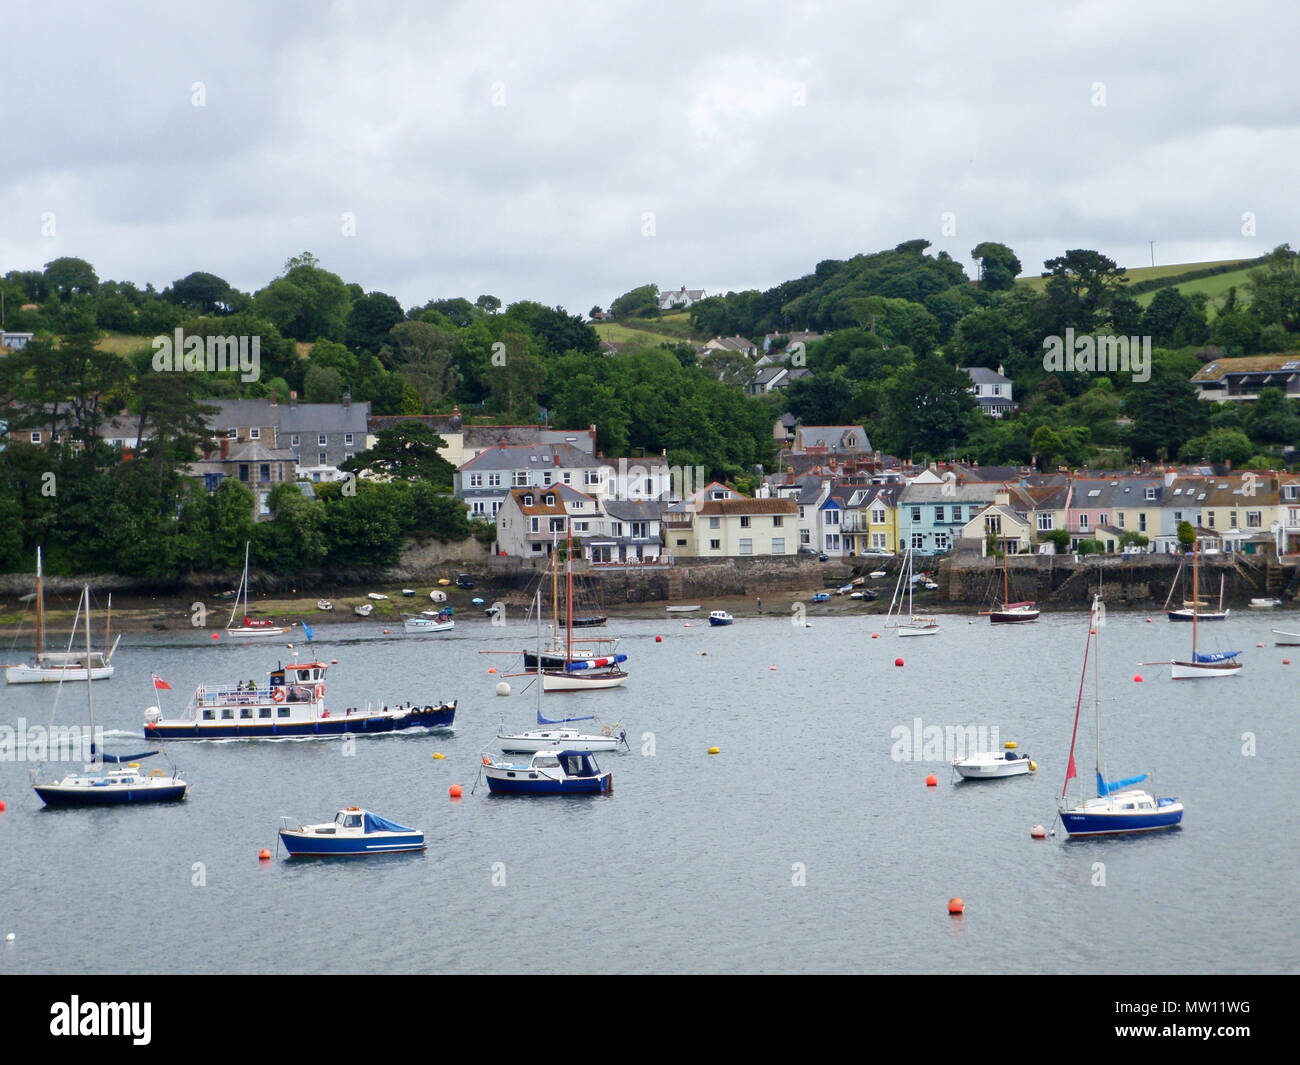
x: 291, y: 704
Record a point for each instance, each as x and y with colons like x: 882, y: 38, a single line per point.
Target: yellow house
x: 871, y: 520
x: 735, y: 527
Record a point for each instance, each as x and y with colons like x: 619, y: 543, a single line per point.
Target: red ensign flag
x: 159, y: 683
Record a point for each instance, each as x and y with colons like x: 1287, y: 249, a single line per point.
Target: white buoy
x: 503, y: 688
x: 9, y: 938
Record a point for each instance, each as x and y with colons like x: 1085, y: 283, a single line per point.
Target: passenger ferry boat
x: 292, y: 704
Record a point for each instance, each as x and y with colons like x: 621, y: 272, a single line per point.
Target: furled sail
x: 1105, y: 787
x: 1214, y: 656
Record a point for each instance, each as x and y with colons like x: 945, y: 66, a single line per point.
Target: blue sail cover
x: 595, y: 663
x: 307, y: 629
x: 563, y: 720
x: 1105, y: 787
x: 1214, y: 656
x: 375, y: 823
x: 124, y: 758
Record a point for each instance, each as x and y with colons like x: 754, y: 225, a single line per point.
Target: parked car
x: 464, y: 581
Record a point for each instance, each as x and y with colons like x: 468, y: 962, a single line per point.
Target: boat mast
x: 1196, y: 593
x: 1078, y: 706
x: 1006, y: 595
x: 1095, y: 630
x: 40, y: 607
x: 108, y: 621
x: 555, y: 593
x: 568, y: 596
x: 90, y: 699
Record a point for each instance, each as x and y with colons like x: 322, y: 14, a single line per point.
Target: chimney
x: 347, y: 398
x: 275, y: 399
x: 293, y: 399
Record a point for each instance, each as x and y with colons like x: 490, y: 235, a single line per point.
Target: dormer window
x: 550, y: 501
x: 528, y: 500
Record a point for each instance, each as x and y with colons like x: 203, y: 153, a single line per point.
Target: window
x: 778, y: 545
x: 1178, y: 515
x: 550, y: 499
x: 246, y: 713
x: 322, y: 459
x: 938, y: 514
x: 918, y: 541
x: 547, y: 477
x: 715, y: 523
x: 1150, y: 493
x: 264, y: 711
x: 347, y: 438
x: 282, y: 711
x: 778, y: 521
x: 347, y: 455
x: 227, y: 713
x: 36, y: 438
x: 715, y: 545
x: 746, y: 546
x: 879, y: 541
x: 681, y: 543
x: 941, y: 541
x: 1291, y: 491
x: 567, y: 477
x: 916, y: 514
x: 832, y: 541
x: 1254, y: 519
x: 476, y: 508
x: 534, y: 524
x: 993, y: 524
x: 243, y: 472
x: 1044, y: 523
x: 476, y: 480
x: 209, y: 715
x: 294, y: 440
x: 494, y: 480
x: 1232, y: 519
x: 1209, y: 521
x: 528, y: 499
x: 522, y: 479
x: 232, y: 434
x: 616, y: 528
x: 744, y: 521
x: 801, y: 514
x: 265, y: 471
x: 320, y: 440
x: 832, y: 517
x: 804, y: 537
x: 591, y: 477
x: 1142, y: 522
x: 1083, y: 522
x: 496, y: 505
x: 640, y: 530
x: 580, y: 526
x: 1119, y: 518
x: 557, y: 525
x: 956, y: 512
x: 254, y: 434
x: 878, y: 516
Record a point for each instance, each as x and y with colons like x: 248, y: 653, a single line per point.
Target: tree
x: 1272, y: 418
x: 1080, y: 290
x: 1048, y: 446
x: 928, y: 410
x: 640, y: 302
x: 999, y: 266
x: 1275, y: 289
x: 203, y: 293
x: 408, y: 450
x: 323, y: 384
x: 1186, y: 535
x: 66, y: 277
x: 422, y: 356
x: 1166, y: 413
x: 488, y: 304
x: 370, y: 319
x: 1219, y: 446
x: 306, y: 303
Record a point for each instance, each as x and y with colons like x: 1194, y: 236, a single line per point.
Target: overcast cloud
x: 517, y: 149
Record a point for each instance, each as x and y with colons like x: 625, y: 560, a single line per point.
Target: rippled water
x: 691, y: 864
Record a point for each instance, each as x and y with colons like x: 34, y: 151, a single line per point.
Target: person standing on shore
x: 760, y: 604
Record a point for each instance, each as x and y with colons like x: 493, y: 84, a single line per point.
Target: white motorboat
x: 324, y: 604
x: 1265, y: 604
x: 364, y: 610
x: 720, y: 617
x: 420, y: 623
x: 989, y: 765
x: 1286, y: 639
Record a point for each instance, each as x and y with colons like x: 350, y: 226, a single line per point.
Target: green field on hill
x: 1146, y: 273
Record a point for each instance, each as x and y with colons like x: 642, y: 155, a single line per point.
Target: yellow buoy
x: 715, y: 750
x: 439, y: 756
x: 1033, y: 766
x: 1010, y: 745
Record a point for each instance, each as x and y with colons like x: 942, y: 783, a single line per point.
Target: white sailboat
x: 249, y: 627
x: 917, y: 624
x: 1214, y: 664
x: 51, y: 667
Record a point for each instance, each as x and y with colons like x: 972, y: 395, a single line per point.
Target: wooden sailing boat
x: 248, y: 627
x: 577, y: 673
x: 50, y: 667
x: 1213, y: 664
x: 1012, y: 613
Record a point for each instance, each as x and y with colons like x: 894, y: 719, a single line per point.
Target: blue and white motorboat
x: 353, y: 832
x: 1119, y: 808
x: 552, y: 772
x: 990, y: 765
x: 821, y: 597
x: 429, y: 621
x: 292, y: 704
x: 720, y: 617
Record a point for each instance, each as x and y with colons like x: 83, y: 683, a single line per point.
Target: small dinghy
x: 989, y: 765
x: 1286, y: 639
x: 552, y: 772
x: 683, y: 609
x: 376, y: 595
x: 324, y: 604
x: 353, y: 831
x: 364, y: 610
x: 408, y: 592
x: 821, y: 597
x: 1265, y: 604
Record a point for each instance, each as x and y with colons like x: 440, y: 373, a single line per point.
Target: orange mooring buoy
x: 264, y: 854
x: 659, y: 639
x: 1137, y: 679
x: 454, y: 791
x: 1038, y: 832
x: 956, y: 907
x: 875, y: 635
x: 931, y: 781
x: 898, y: 661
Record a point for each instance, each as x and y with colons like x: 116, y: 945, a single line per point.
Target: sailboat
x: 248, y: 626
x: 550, y: 736
x: 50, y: 667
x: 98, y: 784
x: 1119, y: 808
x: 1213, y: 664
x: 577, y: 673
x: 1195, y: 607
x: 917, y: 624
x: 1012, y: 613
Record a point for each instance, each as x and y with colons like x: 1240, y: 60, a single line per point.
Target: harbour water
x: 807, y: 845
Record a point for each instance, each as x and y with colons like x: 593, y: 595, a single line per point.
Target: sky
x: 568, y: 152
